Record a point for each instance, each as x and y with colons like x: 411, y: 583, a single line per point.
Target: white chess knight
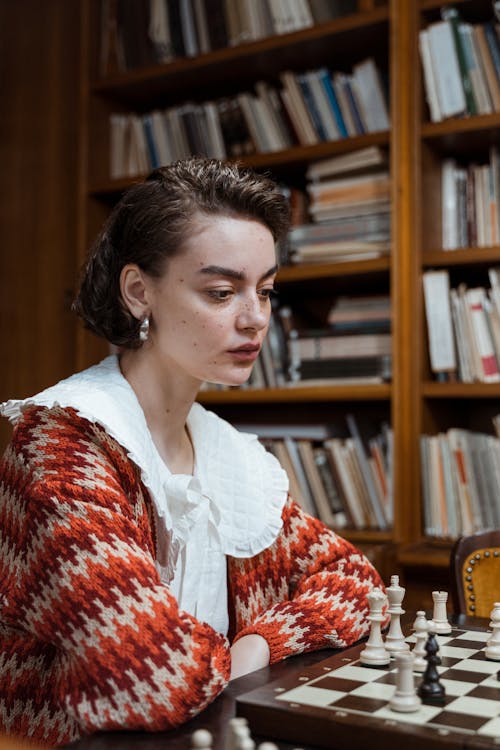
x: 374, y: 654
x: 492, y: 649
x: 395, y: 642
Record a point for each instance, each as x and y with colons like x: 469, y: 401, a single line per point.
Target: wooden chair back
x: 475, y: 573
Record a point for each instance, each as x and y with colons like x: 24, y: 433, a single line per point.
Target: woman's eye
x: 267, y: 293
x: 219, y: 294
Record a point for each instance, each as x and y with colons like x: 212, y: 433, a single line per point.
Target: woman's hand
x: 248, y: 654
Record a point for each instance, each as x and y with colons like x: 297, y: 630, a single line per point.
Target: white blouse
x: 231, y: 505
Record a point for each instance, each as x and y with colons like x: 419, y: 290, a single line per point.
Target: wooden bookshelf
x: 441, y: 406
x: 389, y: 32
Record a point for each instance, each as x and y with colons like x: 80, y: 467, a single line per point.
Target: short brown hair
x: 151, y: 223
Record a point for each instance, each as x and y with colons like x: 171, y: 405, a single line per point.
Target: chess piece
x: 405, y: 698
x: 238, y: 730
x: 267, y: 746
x: 395, y: 641
x: 439, y: 623
x: 420, y: 628
x: 431, y: 690
x: 374, y: 654
x: 201, y: 739
x: 492, y: 650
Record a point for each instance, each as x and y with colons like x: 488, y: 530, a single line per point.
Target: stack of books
x: 307, y: 109
x: 349, y: 204
x: 461, y: 65
x: 463, y: 326
x: 148, y: 32
x: 471, y: 203
x: 461, y: 482
x: 344, y: 481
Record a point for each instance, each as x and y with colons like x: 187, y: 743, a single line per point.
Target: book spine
x: 451, y: 15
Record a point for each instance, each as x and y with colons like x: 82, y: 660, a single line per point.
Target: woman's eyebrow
x: 231, y: 273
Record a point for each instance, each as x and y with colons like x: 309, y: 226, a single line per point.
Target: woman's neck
x: 166, y: 400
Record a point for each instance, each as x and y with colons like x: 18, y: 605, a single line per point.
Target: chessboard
x: 340, y: 704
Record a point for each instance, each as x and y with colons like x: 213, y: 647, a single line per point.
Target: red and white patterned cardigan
x: 90, y: 639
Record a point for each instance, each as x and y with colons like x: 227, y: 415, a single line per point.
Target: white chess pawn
x: 439, y: 623
x: 492, y: 650
x: 405, y: 698
x: 201, y: 739
x: 395, y: 641
x: 374, y: 654
x: 421, y: 629
x: 238, y: 730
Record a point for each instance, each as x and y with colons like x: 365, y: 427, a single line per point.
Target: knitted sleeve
x: 305, y: 592
x: 81, y: 583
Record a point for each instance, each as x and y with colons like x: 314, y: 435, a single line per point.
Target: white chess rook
x: 395, y: 642
x: 439, y: 623
x: 492, y: 649
x: 374, y: 654
x: 405, y: 698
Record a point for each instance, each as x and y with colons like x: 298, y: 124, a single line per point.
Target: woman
x: 149, y: 552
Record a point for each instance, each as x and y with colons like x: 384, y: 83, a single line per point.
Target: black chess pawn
x: 430, y: 689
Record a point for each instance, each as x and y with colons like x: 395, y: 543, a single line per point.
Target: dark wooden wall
x: 39, y: 83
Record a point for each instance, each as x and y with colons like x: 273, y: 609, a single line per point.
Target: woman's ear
x: 134, y: 290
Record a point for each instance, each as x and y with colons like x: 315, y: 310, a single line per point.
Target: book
x: 463, y: 56
x: 475, y: 69
x: 354, y: 161
x: 323, y: 107
x: 331, y: 98
x: 493, y: 81
x: 333, y: 347
x: 476, y: 299
x: 297, y: 110
x: 305, y: 498
x: 446, y: 70
x: 329, y: 479
x: 372, y: 495
x: 337, y: 453
x: 439, y: 323
x: 315, y: 481
x: 312, y: 105
x: 430, y: 82
x: 371, y: 95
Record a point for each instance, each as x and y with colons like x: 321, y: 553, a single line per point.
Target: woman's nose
x: 254, y: 313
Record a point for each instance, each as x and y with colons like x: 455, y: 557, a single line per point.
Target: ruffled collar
x: 244, y: 484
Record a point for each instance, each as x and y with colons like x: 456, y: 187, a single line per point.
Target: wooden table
x: 215, y: 718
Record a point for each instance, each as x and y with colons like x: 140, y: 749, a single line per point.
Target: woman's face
x: 210, y: 310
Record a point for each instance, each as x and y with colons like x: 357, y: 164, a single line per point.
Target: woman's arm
x: 306, y: 592
x: 82, y: 584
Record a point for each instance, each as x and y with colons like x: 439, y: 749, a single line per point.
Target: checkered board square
x: 343, y: 703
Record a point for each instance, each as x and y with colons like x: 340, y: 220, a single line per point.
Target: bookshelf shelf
x: 463, y: 257
x: 427, y: 554
x: 464, y: 135
x: 288, y: 274
x: 327, y: 393
x: 461, y: 390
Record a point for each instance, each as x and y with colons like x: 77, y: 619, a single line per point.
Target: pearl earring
x: 144, y: 329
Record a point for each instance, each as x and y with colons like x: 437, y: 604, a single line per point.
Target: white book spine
x: 446, y: 70
x: 439, y: 323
